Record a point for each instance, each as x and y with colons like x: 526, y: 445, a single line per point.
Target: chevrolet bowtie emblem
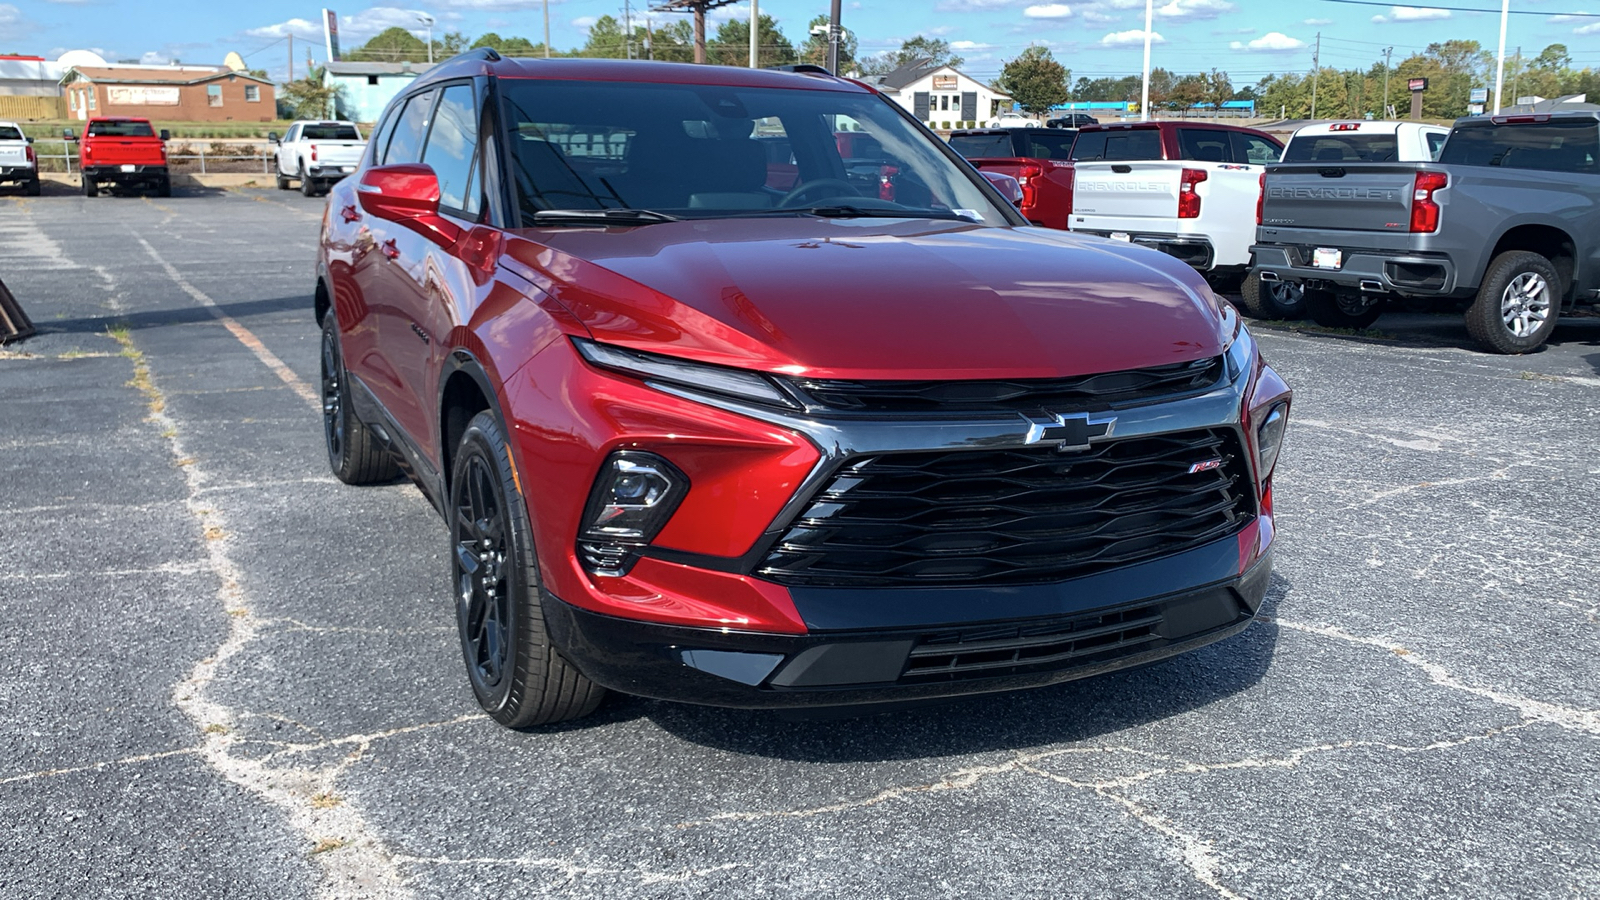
x: 1070, y: 432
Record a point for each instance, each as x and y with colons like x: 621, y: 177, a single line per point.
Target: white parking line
x: 245, y: 336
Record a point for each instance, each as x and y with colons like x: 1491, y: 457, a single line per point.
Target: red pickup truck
x: 123, y: 152
x: 1038, y: 158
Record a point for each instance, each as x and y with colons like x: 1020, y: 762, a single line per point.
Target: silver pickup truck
x: 1507, y: 221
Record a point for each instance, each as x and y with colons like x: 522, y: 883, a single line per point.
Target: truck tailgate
x: 1120, y: 195
x: 1340, y: 197
x: 338, y: 153
x: 13, y: 154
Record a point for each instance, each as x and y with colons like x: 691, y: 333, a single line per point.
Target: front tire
x: 279, y: 177
x: 517, y: 676
x: 1271, y: 299
x: 1332, y: 310
x: 1517, y: 304
x: 308, y: 188
x: 354, y: 452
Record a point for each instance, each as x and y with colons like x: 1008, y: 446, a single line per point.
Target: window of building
x: 214, y: 94
x: 252, y: 93
x: 91, y: 93
x: 372, y: 81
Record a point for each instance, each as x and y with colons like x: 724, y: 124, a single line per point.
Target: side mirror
x: 30, y: 140
x: 166, y: 135
x: 68, y: 135
x: 1009, y: 187
x: 407, y: 193
x: 273, y: 137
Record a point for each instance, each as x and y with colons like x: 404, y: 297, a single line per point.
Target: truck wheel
x: 1332, y: 310
x: 308, y: 187
x: 1271, y: 299
x: 32, y: 188
x: 89, y: 189
x: 164, y: 186
x: 1517, y: 304
x: 354, y: 452
x: 282, y: 179
x: 517, y: 675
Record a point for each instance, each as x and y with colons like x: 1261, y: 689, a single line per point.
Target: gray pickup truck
x: 1507, y: 221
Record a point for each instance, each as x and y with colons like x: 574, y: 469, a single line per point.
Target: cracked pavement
x: 224, y: 674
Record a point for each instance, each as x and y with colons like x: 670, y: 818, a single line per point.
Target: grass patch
x: 216, y: 728
x: 327, y: 844
x: 141, y: 369
x: 325, y: 800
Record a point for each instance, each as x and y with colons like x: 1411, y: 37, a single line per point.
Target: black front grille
x: 1057, y: 394
x: 1015, y: 516
x: 995, y: 650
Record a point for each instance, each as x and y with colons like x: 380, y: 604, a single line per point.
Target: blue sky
x: 1247, y: 38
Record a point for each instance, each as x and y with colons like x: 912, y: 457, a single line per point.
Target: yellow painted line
x: 245, y: 335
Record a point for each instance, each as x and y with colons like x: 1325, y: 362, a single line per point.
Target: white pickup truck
x: 1188, y: 189
x: 317, y: 154
x: 18, y: 163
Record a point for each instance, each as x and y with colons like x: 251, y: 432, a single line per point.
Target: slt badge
x: 1072, y: 432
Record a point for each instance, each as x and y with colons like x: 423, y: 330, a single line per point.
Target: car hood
x: 875, y: 298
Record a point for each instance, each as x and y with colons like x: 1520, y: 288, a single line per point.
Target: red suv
x: 863, y: 438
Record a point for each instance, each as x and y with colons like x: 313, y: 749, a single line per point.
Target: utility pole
x: 1387, y: 52
x: 627, y: 29
x: 546, y: 29
x: 1316, y: 73
x: 291, y: 56
x: 833, y: 38
x: 1516, y: 73
x: 1144, y: 92
x: 755, y: 26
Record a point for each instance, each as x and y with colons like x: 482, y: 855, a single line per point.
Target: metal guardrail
x: 259, y: 159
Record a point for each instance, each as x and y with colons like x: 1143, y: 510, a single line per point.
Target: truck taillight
x: 32, y: 157
x: 1424, y: 209
x: 1261, y: 198
x: 313, y: 152
x: 1025, y: 176
x: 1188, y: 193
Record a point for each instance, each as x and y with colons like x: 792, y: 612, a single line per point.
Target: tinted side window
x: 1204, y: 145
x: 1255, y: 150
x: 406, y: 144
x: 981, y: 146
x: 1139, y: 143
x: 1559, y: 145
x: 1435, y: 144
x: 452, y: 148
x: 1053, y: 144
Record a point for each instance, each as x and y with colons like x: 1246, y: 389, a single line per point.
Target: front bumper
x: 1193, y: 250
x: 1406, y: 273
x: 1077, y: 628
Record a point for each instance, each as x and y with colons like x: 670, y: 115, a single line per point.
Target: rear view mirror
x: 67, y: 135
x: 166, y: 135
x: 30, y: 140
x: 273, y: 136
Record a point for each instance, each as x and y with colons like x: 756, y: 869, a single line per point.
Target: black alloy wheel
x: 517, y: 676
x: 354, y: 453
x: 1332, y: 310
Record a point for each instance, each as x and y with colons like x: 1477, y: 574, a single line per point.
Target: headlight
x: 1241, y: 350
x: 694, y: 376
x: 632, y: 499
x: 1269, y: 438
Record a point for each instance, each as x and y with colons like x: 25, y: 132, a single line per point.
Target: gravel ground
x: 223, y: 674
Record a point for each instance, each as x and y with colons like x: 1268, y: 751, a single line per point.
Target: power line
x: 1483, y: 9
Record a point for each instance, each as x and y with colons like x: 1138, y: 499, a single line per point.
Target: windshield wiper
x: 618, y: 216
x: 846, y: 211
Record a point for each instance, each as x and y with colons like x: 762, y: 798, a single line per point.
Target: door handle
x: 350, y: 214
x: 390, y: 250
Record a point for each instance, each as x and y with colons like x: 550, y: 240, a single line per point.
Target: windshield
x: 1343, y: 148
x: 330, y: 133
x: 8, y: 133
x: 120, y: 129
x: 704, y: 151
x: 1559, y: 145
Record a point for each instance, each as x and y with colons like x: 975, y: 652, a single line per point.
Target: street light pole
x: 833, y: 38
x: 546, y: 29
x: 428, y: 21
x: 1144, y: 96
x: 1500, y: 65
x: 755, y: 26
x: 1387, y: 53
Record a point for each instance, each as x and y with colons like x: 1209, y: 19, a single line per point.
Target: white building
x: 942, y: 96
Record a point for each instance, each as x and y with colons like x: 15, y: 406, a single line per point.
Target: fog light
x: 1269, y: 439
x: 633, y: 497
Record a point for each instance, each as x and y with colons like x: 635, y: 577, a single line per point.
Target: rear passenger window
x: 452, y: 148
x: 1135, y: 143
x: 1204, y: 145
x: 1255, y: 150
x: 406, y: 144
x: 1435, y: 143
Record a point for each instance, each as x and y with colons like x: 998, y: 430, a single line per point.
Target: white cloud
x: 355, y: 30
x: 300, y: 28
x: 970, y: 45
x: 12, y: 24
x: 1587, y: 29
x: 1048, y: 11
x: 1125, y: 4
x: 1319, y: 22
x: 1091, y: 15
x: 584, y: 22
x: 1271, y: 42
x: 977, y: 5
x: 1194, y: 9
x: 1411, y: 14
x: 153, y: 58
x: 1135, y: 36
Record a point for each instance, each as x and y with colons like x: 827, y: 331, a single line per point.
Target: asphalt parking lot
x: 224, y: 674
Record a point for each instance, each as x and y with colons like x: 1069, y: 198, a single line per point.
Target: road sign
x: 1479, y: 95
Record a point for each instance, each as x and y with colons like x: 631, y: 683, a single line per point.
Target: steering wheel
x: 800, y: 190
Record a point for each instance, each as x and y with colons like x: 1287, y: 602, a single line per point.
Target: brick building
x: 171, y: 93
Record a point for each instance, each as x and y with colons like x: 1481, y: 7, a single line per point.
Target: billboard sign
x: 330, y: 33
x: 1478, y: 95
x: 944, y: 82
x: 1417, y: 84
x: 123, y: 95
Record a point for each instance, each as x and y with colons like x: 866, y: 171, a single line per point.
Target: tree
x: 391, y: 45
x: 1553, y: 58
x: 509, y: 46
x: 674, y: 43
x: 1218, y: 89
x: 731, y: 46
x: 450, y: 45
x: 309, y: 98
x: 933, y: 52
x: 1034, y: 80
x: 1190, y: 91
x: 815, y: 48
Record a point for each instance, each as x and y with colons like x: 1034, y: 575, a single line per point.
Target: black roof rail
x: 802, y: 68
